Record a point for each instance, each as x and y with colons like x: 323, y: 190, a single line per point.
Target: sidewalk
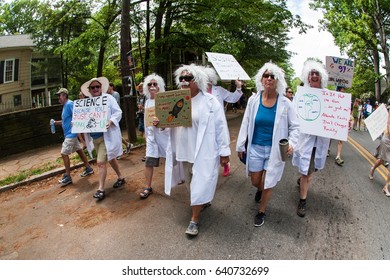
x: 15, y: 164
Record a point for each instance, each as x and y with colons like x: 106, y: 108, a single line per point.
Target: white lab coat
x: 224, y: 95
x: 156, y: 138
x: 113, y: 135
x: 302, y: 153
x: 212, y: 142
x: 286, y: 126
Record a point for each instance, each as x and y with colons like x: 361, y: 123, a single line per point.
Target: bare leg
x: 115, y: 166
x: 196, y: 209
x: 66, y: 160
x: 83, y: 158
x: 102, y: 166
x: 304, y: 186
x: 148, y: 176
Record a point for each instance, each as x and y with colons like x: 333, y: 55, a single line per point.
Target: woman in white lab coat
x: 156, y: 138
x: 108, y: 145
x: 201, y: 147
x: 269, y: 117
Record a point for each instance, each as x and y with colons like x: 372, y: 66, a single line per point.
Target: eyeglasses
x: 289, y: 91
x: 93, y: 87
x: 312, y: 73
x: 152, y: 84
x: 186, y: 78
x: 266, y: 75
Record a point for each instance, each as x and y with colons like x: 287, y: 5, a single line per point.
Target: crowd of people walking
x: 193, y: 154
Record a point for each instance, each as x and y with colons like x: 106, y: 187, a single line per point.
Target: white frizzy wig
x: 314, y: 65
x: 279, y: 77
x: 211, y: 75
x: 198, y: 72
x: 159, y: 80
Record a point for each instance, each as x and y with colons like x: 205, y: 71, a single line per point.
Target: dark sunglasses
x: 266, y: 75
x: 186, y: 78
x: 93, y: 87
x: 152, y: 84
x: 289, y: 91
x: 312, y: 73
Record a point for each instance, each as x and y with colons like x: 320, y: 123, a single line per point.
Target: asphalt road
x: 346, y: 216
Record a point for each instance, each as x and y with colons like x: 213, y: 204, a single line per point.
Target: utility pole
x: 129, y: 92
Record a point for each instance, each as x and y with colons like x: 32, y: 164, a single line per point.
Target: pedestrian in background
x: 311, y: 151
x: 269, y: 117
x: 71, y: 144
x: 289, y: 93
x: 384, y: 156
x: 108, y: 145
x: 117, y: 97
x: 201, y: 147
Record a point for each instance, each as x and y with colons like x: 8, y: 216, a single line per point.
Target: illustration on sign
x: 309, y: 107
x: 173, y: 108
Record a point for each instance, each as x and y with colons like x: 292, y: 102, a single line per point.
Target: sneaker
x: 301, y: 211
x: 128, y: 148
x: 386, y: 164
x: 339, y: 161
x: 259, y: 219
x: 87, y: 171
x: 193, y: 228
x: 66, y: 180
x: 226, y: 170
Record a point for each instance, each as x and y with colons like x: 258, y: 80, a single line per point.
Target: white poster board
x: 340, y: 71
x: 376, y: 123
x: 90, y: 115
x: 323, y: 112
x: 227, y: 66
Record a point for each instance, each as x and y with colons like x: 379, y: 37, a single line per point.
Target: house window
x: 9, y: 70
x: 17, y: 100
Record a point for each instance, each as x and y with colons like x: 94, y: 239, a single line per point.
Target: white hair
x: 159, y: 80
x: 198, y: 72
x: 211, y: 75
x: 317, y: 66
x: 279, y: 77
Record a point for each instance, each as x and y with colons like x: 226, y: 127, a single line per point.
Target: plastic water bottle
x: 52, y: 126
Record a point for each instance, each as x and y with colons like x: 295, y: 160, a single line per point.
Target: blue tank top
x: 264, y: 124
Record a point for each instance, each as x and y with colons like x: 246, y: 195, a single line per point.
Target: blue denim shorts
x: 258, y: 158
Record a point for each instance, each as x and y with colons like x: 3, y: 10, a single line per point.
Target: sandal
x: 146, y: 192
x: 99, y: 195
x: 119, y: 183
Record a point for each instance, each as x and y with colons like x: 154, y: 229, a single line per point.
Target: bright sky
x: 314, y: 43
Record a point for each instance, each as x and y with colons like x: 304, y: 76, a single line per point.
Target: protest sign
x: 376, y: 123
x: 173, y: 108
x: 323, y: 112
x: 227, y: 66
x: 90, y: 115
x: 340, y: 71
x: 150, y: 114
